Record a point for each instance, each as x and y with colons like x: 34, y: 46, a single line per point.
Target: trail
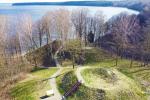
x: 52, y: 81
x: 78, y: 74
x: 57, y: 95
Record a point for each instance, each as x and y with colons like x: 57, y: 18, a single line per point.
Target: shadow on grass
x: 38, y: 69
x: 44, y: 97
x: 53, y: 77
x: 140, y: 70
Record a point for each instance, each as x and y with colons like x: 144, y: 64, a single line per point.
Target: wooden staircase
x: 74, y: 88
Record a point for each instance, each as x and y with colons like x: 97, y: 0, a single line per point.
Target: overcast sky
x: 14, y: 1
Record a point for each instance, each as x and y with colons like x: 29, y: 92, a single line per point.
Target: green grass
x: 65, y: 74
x: 67, y: 63
x: 32, y: 87
x: 95, y: 55
x: 139, y: 74
x: 127, y: 85
x: 122, y: 88
x: 68, y: 79
x: 97, y: 58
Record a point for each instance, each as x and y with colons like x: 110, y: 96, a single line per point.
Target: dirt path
x: 78, y: 74
x: 57, y: 95
x: 53, y: 84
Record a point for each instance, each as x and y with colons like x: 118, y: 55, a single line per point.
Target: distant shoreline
x: 134, y: 5
x: 92, y: 3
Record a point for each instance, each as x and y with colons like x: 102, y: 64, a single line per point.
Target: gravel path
x: 57, y: 95
x: 78, y: 74
x: 53, y: 84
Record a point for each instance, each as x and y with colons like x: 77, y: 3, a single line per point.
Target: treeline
x: 128, y: 36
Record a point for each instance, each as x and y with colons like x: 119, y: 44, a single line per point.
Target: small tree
x: 74, y: 48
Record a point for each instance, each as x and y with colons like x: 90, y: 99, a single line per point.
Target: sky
x: 16, y: 1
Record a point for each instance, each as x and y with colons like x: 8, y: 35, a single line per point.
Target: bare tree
x: 62, y: 22
x: 3, y: 27
x: 79, y: 20
x: 122, y: 27
x: 38, y: 32
x: 95, y: 25
x: 44, y: 27
x: 3, y: 38
x: 24, y: 30
x: 9, y: 49
x: 100, y: 24
x: 146, y: 43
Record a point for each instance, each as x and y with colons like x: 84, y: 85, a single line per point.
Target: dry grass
x: 124, y: 87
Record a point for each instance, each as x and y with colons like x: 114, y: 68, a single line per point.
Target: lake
x: 38, y: 11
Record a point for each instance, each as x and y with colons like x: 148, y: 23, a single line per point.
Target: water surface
x: 38, y: 11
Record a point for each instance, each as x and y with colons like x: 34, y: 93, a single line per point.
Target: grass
x: 125, y: 86
x: 122, y: 88
x: 32, y: 87
x: 139, y: 74
x: 66, y: 74
x: 133, y: 76
x: 95, y: 55
x: 67, y: 63
x: 99, y: 83
x: 68, y: 79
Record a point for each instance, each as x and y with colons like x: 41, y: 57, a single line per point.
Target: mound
x: 116, y: 84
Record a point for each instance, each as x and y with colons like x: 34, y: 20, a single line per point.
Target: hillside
x: 43, y: 56
x: 102, y: 77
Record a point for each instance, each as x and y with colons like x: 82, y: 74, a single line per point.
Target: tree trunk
x: 73, y: 60
x: 117, y: 57
x: 116, y: 60
x: 131, y: 63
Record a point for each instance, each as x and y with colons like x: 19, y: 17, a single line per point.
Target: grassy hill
x: 44, y: 56
x: 120, y: 82
x: 68, y: 79
x: 102, y: 79
x: 115, y: 84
